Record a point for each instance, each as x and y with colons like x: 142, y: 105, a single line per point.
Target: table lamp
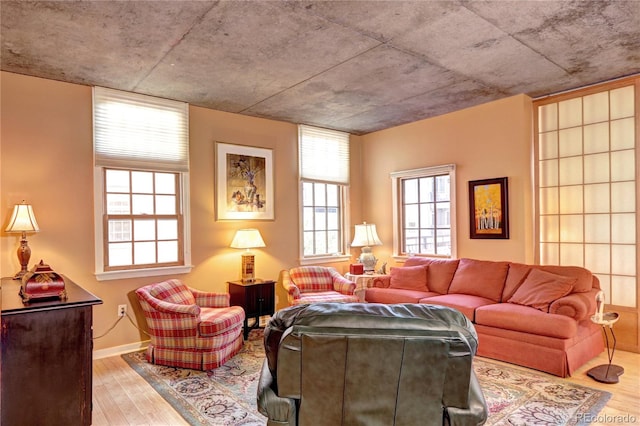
x: 365, y: 237
x: 23, y: 220
x: 247, y: 239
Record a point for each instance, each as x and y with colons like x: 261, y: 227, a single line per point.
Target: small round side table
x: 363, y: 282
x: 607, y: 373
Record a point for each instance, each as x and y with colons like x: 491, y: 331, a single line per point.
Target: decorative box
x: 356, y: 269
x: 41, y: 282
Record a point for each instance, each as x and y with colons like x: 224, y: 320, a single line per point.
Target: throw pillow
x: 409, y: 278
x: 541, y: 288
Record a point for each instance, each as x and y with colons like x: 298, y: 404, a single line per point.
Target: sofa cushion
x: 395, y: 295
x: 464, y: 303
x: 214, y: 321
x: 409, y: 278
x: 439, y: 272
x: 540, y: 288
x: 324, y: 296
x: 510, y: 316
x: 584, y: 277
x: 515, y: 277
x: 480, y: 278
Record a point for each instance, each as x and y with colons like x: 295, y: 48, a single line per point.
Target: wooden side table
x: 257, y: 298
x: 607, y: 373
x: 362, y: 283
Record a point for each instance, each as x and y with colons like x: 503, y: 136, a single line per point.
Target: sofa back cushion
x: 515, y: 277
x: 409, y: 278
x: 518, y: 273
x: 439, y: 272
x: 481, y: 278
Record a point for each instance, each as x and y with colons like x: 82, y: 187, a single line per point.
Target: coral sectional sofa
x: 531, y: 315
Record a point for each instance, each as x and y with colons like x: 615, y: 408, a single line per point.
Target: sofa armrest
x: 343, y: 285
x: 578, y: 306
x: 381, y: 282
x: 279, y: 411
x: 293, y: 292
x: 211, y: 300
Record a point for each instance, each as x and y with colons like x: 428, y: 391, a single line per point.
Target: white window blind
x: 324, y: 155
x: 140, y: 132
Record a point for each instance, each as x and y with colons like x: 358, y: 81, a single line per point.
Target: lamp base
x: 20, y: 274
x: 368, y: 260
x: 24, y: 254
x: 248, y: 267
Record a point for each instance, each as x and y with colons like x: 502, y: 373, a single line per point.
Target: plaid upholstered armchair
x: 312, y: 284
x: 190, y: 328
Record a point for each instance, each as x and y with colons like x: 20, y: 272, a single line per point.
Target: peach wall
x: 488, y: 141
x: 46, y: 159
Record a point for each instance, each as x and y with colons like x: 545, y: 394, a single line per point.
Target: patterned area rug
x: 227, y: 395
x: 224, y: 396
x: 527, y: 397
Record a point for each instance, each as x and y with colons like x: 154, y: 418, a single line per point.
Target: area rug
x: 227, y: 395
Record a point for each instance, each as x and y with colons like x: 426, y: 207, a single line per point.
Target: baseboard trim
x: 119, y: 350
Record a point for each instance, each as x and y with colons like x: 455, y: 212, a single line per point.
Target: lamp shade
x: 366, y: 236
x: 247, y: 238
x: 22, y: 219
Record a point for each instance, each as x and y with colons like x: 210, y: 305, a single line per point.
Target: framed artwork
x: 489, y: 208
x: 244, y: 182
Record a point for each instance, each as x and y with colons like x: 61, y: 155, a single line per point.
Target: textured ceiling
x: 357, y: 66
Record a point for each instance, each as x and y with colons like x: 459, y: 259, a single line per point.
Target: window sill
x: 139, y: 273
x: 324, y: 259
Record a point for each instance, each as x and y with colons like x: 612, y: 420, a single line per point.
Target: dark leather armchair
x: 370, y: 364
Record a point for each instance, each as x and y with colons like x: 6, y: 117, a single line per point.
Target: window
x: 587, y: 185
x: 424, y: 200
x: 142, y: 219
x: 324, y: 175
x: 141, y: 159
x: 322, y: 214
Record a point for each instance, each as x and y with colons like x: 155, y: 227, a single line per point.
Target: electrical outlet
x: 122, y: 310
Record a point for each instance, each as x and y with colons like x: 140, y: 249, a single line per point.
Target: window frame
x: 324, y: 258
x: 398, y: 208
x: 103, y: 273
x: 133, y: 217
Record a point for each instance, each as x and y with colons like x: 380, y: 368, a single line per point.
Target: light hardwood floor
x: 121, y: 397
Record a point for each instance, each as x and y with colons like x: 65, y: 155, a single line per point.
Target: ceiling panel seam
x: 199, y: 19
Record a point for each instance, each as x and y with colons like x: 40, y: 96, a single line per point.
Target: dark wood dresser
x: 46, y: 355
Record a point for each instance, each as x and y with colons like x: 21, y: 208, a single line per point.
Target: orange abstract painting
x: 488, y: 208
